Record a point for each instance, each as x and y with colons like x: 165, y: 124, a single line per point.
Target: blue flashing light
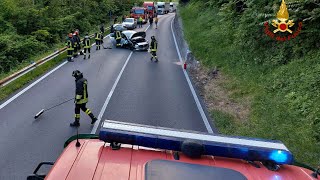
x: 169, y: 139
x: 279, y: 156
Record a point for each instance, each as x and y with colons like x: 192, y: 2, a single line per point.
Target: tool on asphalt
x: 43, y: 110
x: 184, y: 65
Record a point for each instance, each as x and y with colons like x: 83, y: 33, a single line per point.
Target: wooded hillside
x: 279, y: 79
x: 32, y: 27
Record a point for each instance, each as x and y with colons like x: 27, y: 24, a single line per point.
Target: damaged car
x: 132, y: 40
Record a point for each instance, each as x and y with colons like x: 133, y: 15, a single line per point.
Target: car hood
x: 137, y: 34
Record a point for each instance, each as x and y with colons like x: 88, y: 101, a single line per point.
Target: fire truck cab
x: 136, y: 152
x: 137, y: 12
x: 149, y: 6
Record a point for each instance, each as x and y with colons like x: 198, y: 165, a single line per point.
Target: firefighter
x: 156, y: 21
x: 70, y: 47
x: 140, y: 22
x: 118, y: 38
x: 102, y: 28
x: 76, y: 39
x: 151, y: 20
x: 98, y: 40
x: 87, y: 46
x: 81, y: 99
x: 153, y: 48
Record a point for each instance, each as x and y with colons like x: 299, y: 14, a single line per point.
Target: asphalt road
x: 147, y: 93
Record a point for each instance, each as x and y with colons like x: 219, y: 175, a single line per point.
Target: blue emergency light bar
x: 224, y: 146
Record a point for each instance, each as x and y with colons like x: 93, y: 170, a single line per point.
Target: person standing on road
x: 118, y: 38
x: 150, y: 20
x: 102, y: 28
x: 70, y: 47
x: 153, y: 48
x: 98, y: 40
x: 140, y: 22
x: 87, y: 46
x: 76, y: 39
x: 156, y: 21
x: 81, y: 99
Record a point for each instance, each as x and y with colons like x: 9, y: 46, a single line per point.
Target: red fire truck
x: 150, y: 8
x: 136, y: 152
x: 137, y: 12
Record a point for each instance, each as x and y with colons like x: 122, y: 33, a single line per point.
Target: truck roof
x: 148, y: 2
x: 96, y: 160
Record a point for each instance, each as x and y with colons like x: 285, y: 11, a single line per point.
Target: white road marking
x: 37, y: 81
x: 30, y: 70
x: 203, y: 115
x: 104, y: 107
x: 147, y: 28
x: 31, y: 85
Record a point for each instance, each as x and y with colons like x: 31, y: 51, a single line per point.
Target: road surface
x: 140, y: 91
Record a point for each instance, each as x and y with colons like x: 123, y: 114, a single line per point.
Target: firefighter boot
x: 89, y: 56
x: 156, y: 59
x: 84, y: 57
x: 93, y: 119
x: 151, y: 58
x: 76, y: 123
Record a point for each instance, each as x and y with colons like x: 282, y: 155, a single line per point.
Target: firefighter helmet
x: 77, y: 74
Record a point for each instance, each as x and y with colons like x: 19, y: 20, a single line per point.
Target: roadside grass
x: 44, y: 54
x: 35, y: 73
x: 31, y: 60
x: 284, y: 99
x: 30, y: 76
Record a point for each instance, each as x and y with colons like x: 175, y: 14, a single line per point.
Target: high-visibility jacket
x: 154, y: 46
x: 86, y: 43
x: 118, y: 35
x: 81, y: 91
x: 70, y: 44
x: 98, y: 36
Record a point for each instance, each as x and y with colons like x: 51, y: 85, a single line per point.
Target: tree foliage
x: 281, y: 78
x: 31, y: 27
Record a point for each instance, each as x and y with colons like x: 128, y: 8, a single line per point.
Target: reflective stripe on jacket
x: 86, y: 43
x: 70, y: 45
x: 98, y: 36
x: 81, y: 91
x: 118, y: 35
x: 154, y: 46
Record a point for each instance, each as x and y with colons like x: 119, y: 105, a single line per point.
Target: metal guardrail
x: 5, y: 81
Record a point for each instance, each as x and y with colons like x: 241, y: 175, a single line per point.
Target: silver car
x: 129, y: 23
x: 132, y: 40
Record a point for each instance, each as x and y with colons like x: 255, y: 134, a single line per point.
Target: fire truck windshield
x: 139, y: 11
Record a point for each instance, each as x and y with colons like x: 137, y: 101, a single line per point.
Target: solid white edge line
x: 203, y: 115
x: 34, y: 83
x: 147, y: 28
x: 31, y: 85
x: 104, y: 107
x: 30, y: 70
